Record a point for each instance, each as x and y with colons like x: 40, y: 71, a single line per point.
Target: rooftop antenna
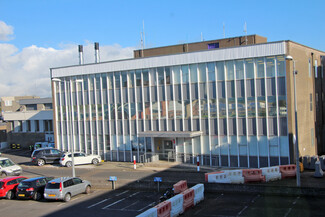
x: 245, y: 30
x: 202, y: 39
x: 224, y: 30
x: 142, y: 38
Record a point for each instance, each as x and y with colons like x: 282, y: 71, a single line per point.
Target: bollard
x: 113, y: 179
x: 318, y: 170
x: 198, y: 163
x: 134, y: 163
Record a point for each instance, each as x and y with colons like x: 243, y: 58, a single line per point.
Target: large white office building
x: 228, y: 106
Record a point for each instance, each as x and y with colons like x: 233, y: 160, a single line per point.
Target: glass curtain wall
x: 238, y: 105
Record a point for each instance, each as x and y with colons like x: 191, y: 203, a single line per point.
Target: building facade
x: 28, y: 120
x: 230, y: 107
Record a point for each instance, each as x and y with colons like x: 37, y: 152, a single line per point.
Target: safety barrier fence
x: 178, y: 203
x: 309, y: 161
x: 265, y: 174
x: 180, y: 186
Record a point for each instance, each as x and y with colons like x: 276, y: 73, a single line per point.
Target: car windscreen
x: 53, y: 185
x: 24, y: 185
x: 6, y: 163
x: 1, y: 184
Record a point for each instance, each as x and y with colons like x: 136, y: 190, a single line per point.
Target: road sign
x: 157, y: 179
x: 112, y: 178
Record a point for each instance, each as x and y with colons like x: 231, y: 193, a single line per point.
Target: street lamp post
x: 70, y: 123
x: 290, y: 58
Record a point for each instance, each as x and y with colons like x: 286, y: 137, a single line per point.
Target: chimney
x: 81, y: 58
x: 96, y: 52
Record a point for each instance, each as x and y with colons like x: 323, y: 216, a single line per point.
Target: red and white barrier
x: 163, y: 209
x: 188, y: 199
x: 177, y: 205
x: 180, y: 186
x: 271, y: 173
x: 253, y: 175
x: 198, y: 193
x: 235, y: 176
x: 217, y: 177
x: 152, y: 212
x: 288, y: 171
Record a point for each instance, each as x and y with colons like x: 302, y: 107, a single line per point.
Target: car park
x: 79, y: 158
x: 9, y: 168
x: 66, y: 187
x: 8, y: 186
x: 44, y: 156
x: 32, y: 188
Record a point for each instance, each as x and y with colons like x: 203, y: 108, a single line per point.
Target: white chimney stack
x: 81, y: 58
x: 96, y: 52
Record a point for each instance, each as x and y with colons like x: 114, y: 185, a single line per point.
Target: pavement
x: 171, y: 172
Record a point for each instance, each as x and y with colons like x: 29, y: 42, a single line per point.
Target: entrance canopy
x: 171, y: 134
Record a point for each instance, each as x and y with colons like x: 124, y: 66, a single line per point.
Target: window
x: 185, y: 74
x: 311, y: 102
x: 193, y: 71
x: 202, y: 72
x: 138, y: 77
x: 211, y: 72
x: 309, y: 67
x: 316, y: 73
x: 8, y: 103
x: 213, y: 45
x: 177, y: 74
x: 37, y: 125
x: 145, y: 77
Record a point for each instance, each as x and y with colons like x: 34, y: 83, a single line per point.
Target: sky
x: 37, y: 35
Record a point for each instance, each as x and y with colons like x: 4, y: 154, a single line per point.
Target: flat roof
x: 221, y: 54
x: 172, y: 134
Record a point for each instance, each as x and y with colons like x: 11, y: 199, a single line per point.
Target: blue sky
x: 36, y: 35
x: 51, y: 23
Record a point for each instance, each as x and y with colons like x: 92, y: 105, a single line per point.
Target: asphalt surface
x: 136, y: 191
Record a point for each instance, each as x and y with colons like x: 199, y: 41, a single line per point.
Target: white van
x: 43, y: 145
x: 9, y: 168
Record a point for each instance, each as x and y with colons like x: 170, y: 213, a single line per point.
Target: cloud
x: 26, y: 72
x: 6, y: 31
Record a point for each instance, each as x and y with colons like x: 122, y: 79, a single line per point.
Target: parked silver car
x: 66, y: 187
x: 9, y: 168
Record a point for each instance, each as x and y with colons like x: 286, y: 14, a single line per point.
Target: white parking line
x: 97, y: 203
x: 122, y: 193
x: 130, y: 205
x: 151, y: 204
x: 113, y: 203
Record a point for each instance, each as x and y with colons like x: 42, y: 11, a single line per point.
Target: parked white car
x: 9, y: 168
x: 79, y: 158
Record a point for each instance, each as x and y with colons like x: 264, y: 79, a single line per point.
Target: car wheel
x: 37, y: 196
x: 68, y: 164
x: 88, y: 189
x: 95, y: 161
x: 3, y: 174
x: 10, y: 195
x: 40, y: 162
x: 67, y: 197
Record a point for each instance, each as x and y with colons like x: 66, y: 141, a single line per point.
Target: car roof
x: 61, y: 179
x: 39, y: 149
x: 33, y: 179
x: 7, y: 179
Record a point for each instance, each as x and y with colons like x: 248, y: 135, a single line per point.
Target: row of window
x: 184, y: 74
x: 32, y: 126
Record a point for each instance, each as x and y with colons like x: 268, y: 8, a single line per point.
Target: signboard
x: 157, y: 179
x: 112, y: 178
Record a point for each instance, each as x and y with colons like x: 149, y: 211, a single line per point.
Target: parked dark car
x: 8, y: 186
x: 32, y: 188
x: 44, y: 156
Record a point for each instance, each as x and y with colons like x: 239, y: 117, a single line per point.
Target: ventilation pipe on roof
x: 96, y: 52
x: 81, y: 58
